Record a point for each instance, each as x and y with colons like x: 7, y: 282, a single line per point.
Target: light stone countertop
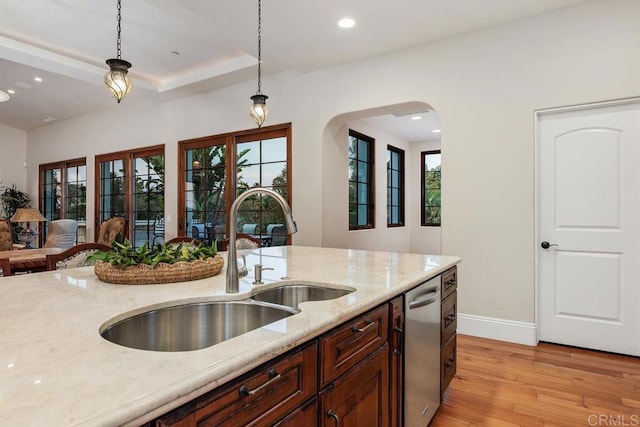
x: 56, y: 370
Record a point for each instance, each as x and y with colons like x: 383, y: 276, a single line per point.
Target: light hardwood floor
x: 504, y: 384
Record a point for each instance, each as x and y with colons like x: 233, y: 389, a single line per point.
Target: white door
x: 588, y: 204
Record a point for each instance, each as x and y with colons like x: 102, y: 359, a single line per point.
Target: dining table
x: 28, y: 260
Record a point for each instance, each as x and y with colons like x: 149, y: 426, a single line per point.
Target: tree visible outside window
x: 131, y: 185
x: 63, y: 194
x: 361, y: 191
x: 395, y: 187
x: 431, y: 188
x: 237, y: 161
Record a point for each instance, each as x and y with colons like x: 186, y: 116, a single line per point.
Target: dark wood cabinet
x: 448, y: 326
x: 262, y: 397
x: 361, y: 396
x: 396, y: 362
x: 351, y: 376
x: 306, y: 415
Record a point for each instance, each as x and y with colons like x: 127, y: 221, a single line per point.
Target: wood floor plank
x: 506, y: 384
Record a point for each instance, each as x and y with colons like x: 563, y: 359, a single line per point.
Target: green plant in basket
x: 124, y: 254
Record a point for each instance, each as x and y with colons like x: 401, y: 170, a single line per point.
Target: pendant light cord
x: 259, y: 92
x: 118, y: 48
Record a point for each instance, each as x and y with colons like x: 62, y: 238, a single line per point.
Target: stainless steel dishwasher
x: 422, y: 353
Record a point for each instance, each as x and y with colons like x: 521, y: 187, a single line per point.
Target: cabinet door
x: 361, y: 396
x: 304, y: 416
x: 396, y: 391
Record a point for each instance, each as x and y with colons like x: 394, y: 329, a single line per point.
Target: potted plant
x: 165, y: 263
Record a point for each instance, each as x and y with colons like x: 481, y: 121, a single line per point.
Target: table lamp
x: 27, y: 235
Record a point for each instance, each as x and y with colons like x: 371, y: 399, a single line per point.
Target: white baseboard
x: 497, y: 329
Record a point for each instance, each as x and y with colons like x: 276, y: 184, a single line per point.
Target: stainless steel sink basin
x: 292, y: 295
x: 192, y: 326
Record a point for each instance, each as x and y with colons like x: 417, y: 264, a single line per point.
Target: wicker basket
x: 143, y: 274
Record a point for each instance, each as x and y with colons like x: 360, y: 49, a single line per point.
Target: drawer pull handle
x: 273, y: 376
x: 369, y: 323
x: 450, y: 363
x: 451, y: 317
x: 451, y: 281
x: 333, y: 415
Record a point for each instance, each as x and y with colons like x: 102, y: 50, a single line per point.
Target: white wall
x: 13, y: 146
x: 485, y: 87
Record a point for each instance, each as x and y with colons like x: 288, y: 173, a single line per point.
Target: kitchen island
x: 57, y: 370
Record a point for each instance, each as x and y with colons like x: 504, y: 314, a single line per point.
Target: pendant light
x: 117, y: 79
x: 259, y: 110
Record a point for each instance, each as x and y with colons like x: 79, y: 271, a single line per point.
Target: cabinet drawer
x: 348, y: 344
x: 449, y: 320
x: 449, y: 281
x: 261, y: 397
x: 448, y: 363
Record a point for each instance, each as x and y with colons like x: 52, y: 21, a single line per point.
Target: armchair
x: 110, y: 228
x: 6, y: 235
x: 61, y: 233
x: 75, y: 256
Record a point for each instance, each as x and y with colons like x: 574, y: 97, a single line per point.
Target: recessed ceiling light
x: 4, y: 96
x: 436, y: 131
x: 48, y: 119
x: 11, y: 91
x: 346, y: 23
x: 38, y: 79
x: 416, y: 117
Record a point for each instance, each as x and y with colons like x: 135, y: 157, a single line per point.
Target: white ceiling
x: 65, y: 42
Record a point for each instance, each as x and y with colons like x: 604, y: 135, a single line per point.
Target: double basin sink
x: 195, y: 326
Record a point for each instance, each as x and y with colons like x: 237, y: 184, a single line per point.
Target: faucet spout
x: 232, y: 256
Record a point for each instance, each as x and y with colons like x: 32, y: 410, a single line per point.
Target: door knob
x: 547, y: 245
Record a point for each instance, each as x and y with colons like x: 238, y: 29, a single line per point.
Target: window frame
x: 423, y: 219
x: 401, y: 187
x: 63, y: 166
x: 230, y: 140
x: 371, y: 142
x: 127, y: 156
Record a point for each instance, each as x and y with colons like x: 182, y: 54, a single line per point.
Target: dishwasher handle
x: 429, y: 297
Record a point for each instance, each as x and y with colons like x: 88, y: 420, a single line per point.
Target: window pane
x: 431, y: 188
x: 274, y: 174
x: 248, y: 153
x: 362, y: 214
x: 274, y: 150
x: 363, y: 172
x: 363, y: 151
x: 363, y: 195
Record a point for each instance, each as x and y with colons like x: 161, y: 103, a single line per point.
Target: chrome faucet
x: 232, y: 257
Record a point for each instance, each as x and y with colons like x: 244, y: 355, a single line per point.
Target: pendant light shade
x: 259, y: 110
x: 117, y: 79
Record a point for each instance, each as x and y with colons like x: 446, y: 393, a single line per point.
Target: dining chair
x: 158, y: 231
x: 61, y: 233
x: 243, y: 241
x: 279, y: 236
x: 110, y: 229
x: 75, y: 256
x: 5, y: 267
x: 6, y: 235
x: 184, y: 239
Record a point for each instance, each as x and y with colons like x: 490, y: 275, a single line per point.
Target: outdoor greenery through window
x: 63, y: 194
x: 395, y: 186
x: 431, y: 188
x: 131, y: 185
x: 361, y: 158
x: 236, y: 161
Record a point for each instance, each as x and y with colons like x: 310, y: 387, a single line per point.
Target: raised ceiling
x: 182, y: 46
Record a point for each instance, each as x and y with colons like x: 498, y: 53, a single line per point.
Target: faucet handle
x: 258, y: 273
